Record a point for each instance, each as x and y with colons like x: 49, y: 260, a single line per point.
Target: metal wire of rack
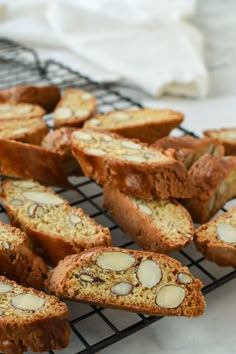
x: 96, y: 328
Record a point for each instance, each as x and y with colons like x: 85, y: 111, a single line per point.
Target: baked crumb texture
x: 30, y: 319
x: 20, y: 111
x: 227, y: 137
x: 144, y: 124
x: 138, y: 281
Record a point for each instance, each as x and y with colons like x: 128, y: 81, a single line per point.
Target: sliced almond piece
x: 27, y: 302
x: 24, y: 184
x: 16, y: 202
x: 122, y: 288
x: 94, y: 121
x: 120, y: 115
x: 83, y: 136
x: 211, y: 203
x: 226, y: 233
x: 89, y: 278
x: 5, y: 288
x: 145, y: 209
x: 63, y: 113
x: 5, y: 245
x: 149, y: 273
x: 20, y: 131
x: 23, y: 109
x: 32, y: 209
x: 184, y: 278
x: 134, y: 158
x: 170, y: 296
x: 115, y: 261
x: 106, y: 138
x: 5, y: 108
x: 74, y: 219
x: 43, y: 198
x: 82, y: 113
x: 86, y: 96
x: 130, y: 145
x: 1, y: 312
x: 96, y: 152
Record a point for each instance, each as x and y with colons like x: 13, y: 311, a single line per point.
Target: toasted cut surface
x: 29, y: 161
x: 133, y: 167
x: 215, y: 182
x: 137, y: 281
x: 30, y: 319
x: 56, y: 228
x: 10, y: 111
x: 75, y: 107
x: 227, y: 136
x: 27, y: 131
x: 190, y: 149
x: 159, y: 225
x: 144, y: 124
x: 217, y: 239
x: 17, y: 260
x: 44, y: 96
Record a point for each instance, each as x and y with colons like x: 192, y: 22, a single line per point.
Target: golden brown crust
x: 44, y: 96
x: 17, y: 260
x: 190, y: 149
x: 167, y: 228
x: 61, y: 282
x: 211, y: 246
x: 28, y: 161
x: 226, y: 136
x: 39, y: 331
x: 154, y: 125
x: 215, y: 182
x: 163, y: 178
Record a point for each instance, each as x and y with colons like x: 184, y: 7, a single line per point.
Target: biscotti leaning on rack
x: 138, y: 281
x: 144, y: 124
x: 227, y: 137
x: 30, y: 319
x: 55, y: 228
x: 158, y: 225
x: 17, y: 260
x: 131, y: 166
x: 216, y: 240
x: 75, y: 107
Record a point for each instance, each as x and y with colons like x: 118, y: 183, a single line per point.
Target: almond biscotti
x: 190, y: 149
x: 20, y: 111
x: 44, y: 96
x: 17, y: 260
x: 137, y: 281
x: 144, y: 124
x: 75, y: 107
x: 216, y: 240
x: 227, y: 136
x: 215, y: 182
x: 27, y: 131
x: 55, y: 228
x: 159, y: 225
x: 30, y: 319
x: 130, y: 166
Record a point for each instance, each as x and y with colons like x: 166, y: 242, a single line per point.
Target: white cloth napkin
x: 141, y: 42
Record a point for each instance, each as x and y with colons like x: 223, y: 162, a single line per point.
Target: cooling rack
x: 95, y: 328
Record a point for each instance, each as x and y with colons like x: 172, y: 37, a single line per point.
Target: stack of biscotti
x: 55, y: 228
x: 144, y: 124
x: 138, y: 281
x: 30, y: 319
x: 226, y: 136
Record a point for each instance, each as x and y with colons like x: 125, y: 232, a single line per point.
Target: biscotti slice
x: 30, y: 319
x: 17, y: 260
x: 56, y: 228
x: 227, y: 136
x: 159, y: 225
x: 131, y: 166
x: 20, y: 111
x: 75, y: 107
x: 44, y: 96
x: 29, y: 161
x: 144, y: 124
x: 190, y: 149
x: 217, y: 239
x: 137, y: 281
x: 59, y: 142
x: 27, y: 131
x: 215, y: 181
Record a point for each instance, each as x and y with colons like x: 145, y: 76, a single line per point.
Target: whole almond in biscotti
x: 55, y: 228
x: 131, y: 166
x: 31, y: 320
x: 10, y: 111
x: 215, y: 183
x: 188, y: 148
x: 17, y: 260
x: 158, y: 225
x: 216, y: 240
x: 137, y: 281
x: 75, y: 107
x: 226, y: 136
x: 144, y: 124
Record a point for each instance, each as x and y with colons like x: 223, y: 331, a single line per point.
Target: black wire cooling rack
x: 96, y: 328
